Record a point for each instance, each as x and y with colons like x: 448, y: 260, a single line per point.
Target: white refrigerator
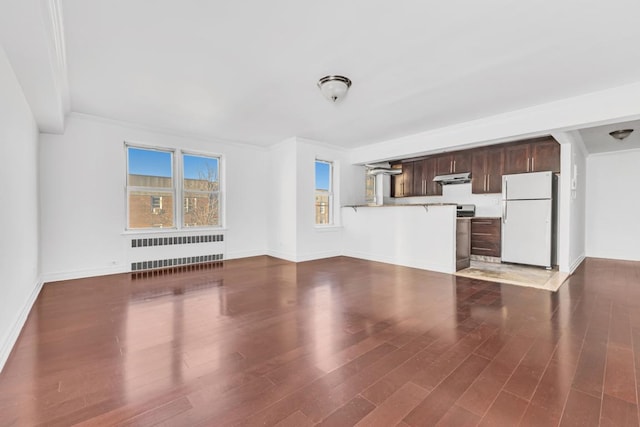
x: 528, y: 218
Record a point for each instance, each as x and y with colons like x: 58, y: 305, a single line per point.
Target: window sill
x: 327, y: 228
x: 171, y: 231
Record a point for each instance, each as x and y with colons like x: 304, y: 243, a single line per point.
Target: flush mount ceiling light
x: 621, y: 134
x: 334, y: 88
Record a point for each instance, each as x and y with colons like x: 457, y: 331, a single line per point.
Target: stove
x: 464, y: 211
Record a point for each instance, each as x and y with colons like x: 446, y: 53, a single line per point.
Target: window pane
x: 323, y: 192
x: 323, y: 176
x: 201, y: 209
x: 201, y: 201
x: 322, y: 208
x: 149, y: 168
x: 201, y: 173
x: 150, y: 209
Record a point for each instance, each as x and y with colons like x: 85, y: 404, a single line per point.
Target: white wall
x: 572, y: 198
x: 577, y: 177
x: 19, y: 258
x: 313, y: 241
x: 83, y: 177
x: 613, y: 203
x: 282, y: 220
x: 292, y: 233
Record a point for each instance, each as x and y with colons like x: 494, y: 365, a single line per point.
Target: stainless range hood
x: 453, y: 178
x: 382, y: 169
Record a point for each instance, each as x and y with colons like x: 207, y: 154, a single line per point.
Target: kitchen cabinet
x: 456, y: 162
x: 486, y: 170
x: 545, y: 156
x: 418, y: 179
x: 430, y: 172
x: 486, y: 164
x: 397, y: 182
x: 402, y: 184
x: 541, y: 154
x: 486, y: 237
x: 423, y: 173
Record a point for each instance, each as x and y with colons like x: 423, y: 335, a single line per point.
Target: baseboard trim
x: 14, y: 333
x: 81, y: 274
x: 283, y: 255
x: 318, y: 255
x: 244, y: 254
x: 303, y: 257
x: 576, y: 264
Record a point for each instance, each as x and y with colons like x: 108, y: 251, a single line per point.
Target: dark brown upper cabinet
x: 456, y: 162
x: 545, y: 156
x: 419, y: 188
x: 536, y: 155
x: 402, y: 184
x: 486, y: 164
x: 517, y: 158
x: 416, y: 179
x: 423, y: 173
x: 486, y: 170
x: 433, y: 188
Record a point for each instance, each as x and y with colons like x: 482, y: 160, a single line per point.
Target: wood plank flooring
x: 335, y: 342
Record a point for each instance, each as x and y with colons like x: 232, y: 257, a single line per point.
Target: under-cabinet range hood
x: 382, y: 169
x: 453, y: 178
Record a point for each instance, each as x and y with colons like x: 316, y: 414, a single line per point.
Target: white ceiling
x: 33, y: 42
x: 597, y: 139
x: 247, y: 71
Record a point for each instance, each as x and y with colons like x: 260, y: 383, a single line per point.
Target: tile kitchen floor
x: 536, y: 277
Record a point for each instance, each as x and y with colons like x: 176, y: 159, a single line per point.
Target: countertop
x: 397, y: 205
x: 486, y: 217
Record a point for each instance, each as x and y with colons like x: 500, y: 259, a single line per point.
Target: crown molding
x: 54, y: 27
x: 164, y: 131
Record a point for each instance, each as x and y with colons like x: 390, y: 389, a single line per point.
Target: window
x: 324, y: 192
x: 156, y: 205
x: 190, y: 204
x: 201, y: 191
x: 152, y: 187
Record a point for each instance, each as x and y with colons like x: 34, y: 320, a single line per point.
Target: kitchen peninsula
x: 413, y: 235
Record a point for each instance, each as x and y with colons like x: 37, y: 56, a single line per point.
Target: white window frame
x: 166, y: 190
x: 176, y: 191
x: 330, y: 206
x: 218, y: 192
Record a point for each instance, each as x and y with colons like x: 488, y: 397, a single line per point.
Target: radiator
x: 158, y: 252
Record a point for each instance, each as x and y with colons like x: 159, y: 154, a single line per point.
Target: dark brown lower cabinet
x: 486, y: 237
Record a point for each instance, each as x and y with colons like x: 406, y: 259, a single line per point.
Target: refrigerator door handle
x: 504, y: 211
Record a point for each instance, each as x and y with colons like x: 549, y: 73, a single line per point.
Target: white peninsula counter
x: 420, y: 236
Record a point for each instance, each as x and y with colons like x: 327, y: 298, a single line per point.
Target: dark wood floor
x: 340, y: 341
